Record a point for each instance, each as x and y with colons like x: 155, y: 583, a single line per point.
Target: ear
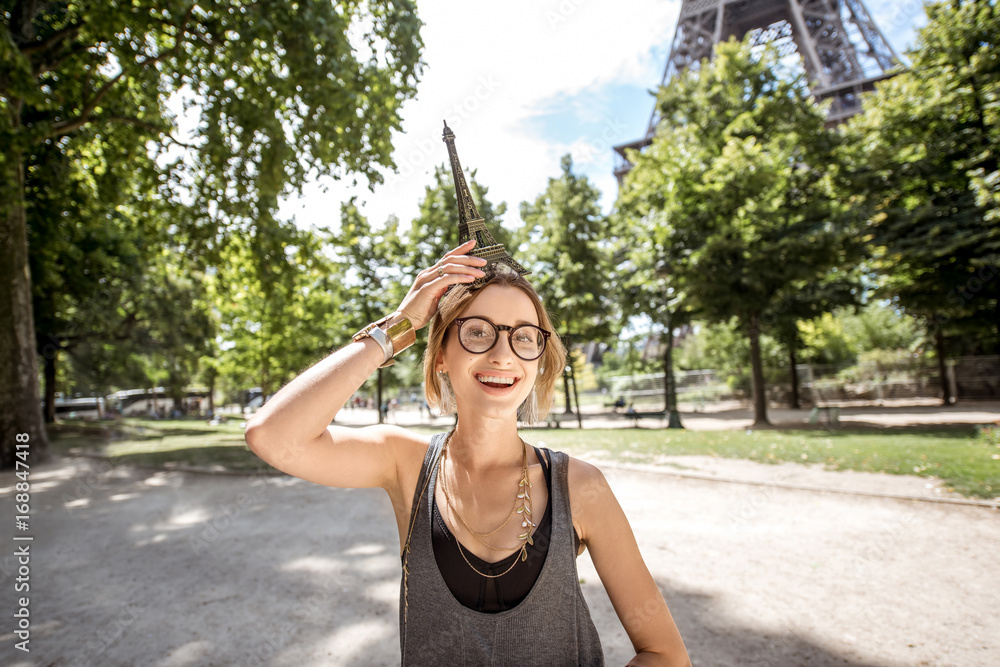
x: 439, y: 361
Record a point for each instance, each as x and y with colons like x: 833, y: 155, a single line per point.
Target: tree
x: 565, y: 245
x: 435, y: 229
x: 372, y: 271
x: 278, y: 300
x: 282, y: 93
x: 648, y: 286
x: 94, y: 227
x: 926, y: 154
x: 801, y: 302
x: 738, y: 185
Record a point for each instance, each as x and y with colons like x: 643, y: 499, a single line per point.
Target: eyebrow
x: 516, y: 324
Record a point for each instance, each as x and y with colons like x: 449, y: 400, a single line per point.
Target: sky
x: 523, y: 82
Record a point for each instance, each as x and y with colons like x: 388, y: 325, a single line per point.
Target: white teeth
x: 495, y: 380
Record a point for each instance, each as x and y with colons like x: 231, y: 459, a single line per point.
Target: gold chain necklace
x: 524, y: 509
x: 513, y: 510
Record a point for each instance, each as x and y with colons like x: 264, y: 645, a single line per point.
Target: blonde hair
x: 550, y: 364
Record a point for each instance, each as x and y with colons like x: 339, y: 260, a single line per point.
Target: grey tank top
x: 551, y: 626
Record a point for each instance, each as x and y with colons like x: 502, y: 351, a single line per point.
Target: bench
x: 636, y: 416
x: 829, y: 412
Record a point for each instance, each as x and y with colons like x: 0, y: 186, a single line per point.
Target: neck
x: 483, y: 443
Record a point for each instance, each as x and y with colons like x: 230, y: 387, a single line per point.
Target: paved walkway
x: 173, y: 569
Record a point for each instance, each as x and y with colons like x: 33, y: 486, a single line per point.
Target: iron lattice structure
x: 472, y: 225
x: 843, y: 51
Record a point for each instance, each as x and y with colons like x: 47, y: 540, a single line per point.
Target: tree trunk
x: 939, y: 345
x: 576, y: 398
x: 793, y: 364
x: 566, y: 372
x: 669, y: 381
x: 759, y: 390
x: 996, y: 305
x: 20, y: 408
x: 50, y: 386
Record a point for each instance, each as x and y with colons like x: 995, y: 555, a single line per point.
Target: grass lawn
x: 967, y: 458
x: 160, y: 443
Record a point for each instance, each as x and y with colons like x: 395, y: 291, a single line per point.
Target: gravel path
x: 169, y: 569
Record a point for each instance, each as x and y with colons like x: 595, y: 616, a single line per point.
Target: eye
x: 477, y: 330
x: 524, y: 336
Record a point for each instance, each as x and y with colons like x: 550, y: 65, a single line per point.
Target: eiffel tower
x: 843, y: 51
x: 471, y: 224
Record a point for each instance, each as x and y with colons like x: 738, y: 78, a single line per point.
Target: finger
x: 470, y: 260
x: 441, y: 285
x: 428, y: 276
x: 462, y: 249
x: 456, y: 267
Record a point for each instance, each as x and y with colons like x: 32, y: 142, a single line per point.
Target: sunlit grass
x: 164, y: 443
x: 966, y: 458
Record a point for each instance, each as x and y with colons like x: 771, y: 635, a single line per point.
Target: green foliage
x: 926, y: 147
x: 586, y: 378
x: 739, y: 174
x: 371, y: 268
x: 739, y: 190
x: 875, y: 332
x: 564, y: 245
x: 277, y: 298
x: 279, y: 91
x: 877, y: 326
x: 435, y: 229
x: 626, y: 359
x: 825, y: 341
x: 724, y: 348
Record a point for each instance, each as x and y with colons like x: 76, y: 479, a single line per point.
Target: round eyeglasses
x: 478, y: 335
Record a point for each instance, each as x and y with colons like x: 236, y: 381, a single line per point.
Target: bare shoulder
x: 408, y: 447
x: 590, y: 496
x: 586, y: 481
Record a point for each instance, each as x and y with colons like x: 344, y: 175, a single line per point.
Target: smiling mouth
x: 496, y: 382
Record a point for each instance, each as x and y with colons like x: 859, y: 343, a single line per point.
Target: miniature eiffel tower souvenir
x: 471, y: 224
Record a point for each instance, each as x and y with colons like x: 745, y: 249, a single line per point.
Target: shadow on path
x: 132, y: 567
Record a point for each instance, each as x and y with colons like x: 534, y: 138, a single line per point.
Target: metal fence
x: 969, y: 377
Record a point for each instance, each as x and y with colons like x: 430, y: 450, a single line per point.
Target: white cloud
x: 490, y: 68
x: 493, y: 67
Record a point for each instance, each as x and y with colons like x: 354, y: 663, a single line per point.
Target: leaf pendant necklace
x: 523, y: 508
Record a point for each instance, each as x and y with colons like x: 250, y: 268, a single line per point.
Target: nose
x: 502, y: 353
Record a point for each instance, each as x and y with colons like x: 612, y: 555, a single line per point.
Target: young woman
x: 489, y: 526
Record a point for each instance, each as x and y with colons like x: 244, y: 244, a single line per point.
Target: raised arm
x: 292, y: 431
x: 640, y: 606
